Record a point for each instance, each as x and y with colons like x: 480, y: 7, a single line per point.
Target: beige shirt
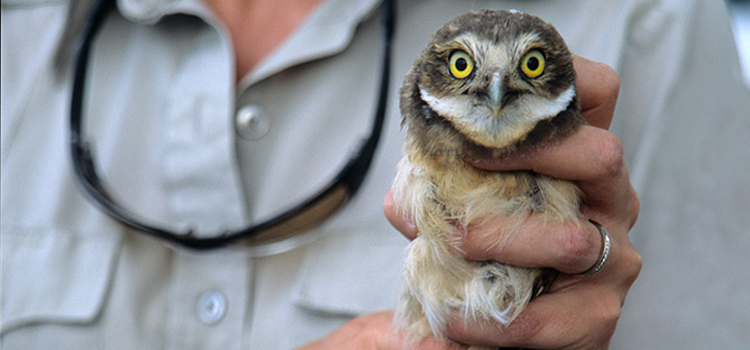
x: 162, y: 112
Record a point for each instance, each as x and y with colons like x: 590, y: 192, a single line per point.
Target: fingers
x: 552, y: 321
x: 598, y: 87
x: 591, y: 157
x: 577, y: 312
x: 401, y: 223
x: 590, y: 154
x: 376, y: 332
x: 569, y: 247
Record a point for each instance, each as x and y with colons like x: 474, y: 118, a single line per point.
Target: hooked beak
x: 495, y: 90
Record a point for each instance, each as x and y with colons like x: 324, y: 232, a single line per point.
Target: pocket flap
x: 348, y: 273
x: 49, y: 274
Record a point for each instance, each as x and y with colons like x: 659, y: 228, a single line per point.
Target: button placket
x: 208, y: 299
x: 199, y: 167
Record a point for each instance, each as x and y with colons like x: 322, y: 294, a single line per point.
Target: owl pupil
x: 461, y: 64
x: 532, y: 63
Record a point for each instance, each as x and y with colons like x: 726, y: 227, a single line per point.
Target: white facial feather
x: 481, y: 125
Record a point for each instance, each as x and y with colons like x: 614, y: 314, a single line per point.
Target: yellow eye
x: 533, y: 64
x: 461, y: 64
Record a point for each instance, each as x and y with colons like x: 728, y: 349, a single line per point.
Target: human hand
x: 577, y: 312
x: 375, y: 332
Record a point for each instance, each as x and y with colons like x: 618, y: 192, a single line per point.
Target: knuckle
x: 610, y: 156
x: 609, y: 81
x: 633, y: 263
x: 578, y: 248
x: 523, y: 329
x: 609, y: 309
x: 635, y: 207
x: 365, y: 331
x: 358, y: 331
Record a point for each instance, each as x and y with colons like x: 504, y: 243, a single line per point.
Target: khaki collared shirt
x: 162, y: 112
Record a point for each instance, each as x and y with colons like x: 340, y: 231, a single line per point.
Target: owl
x: 489, y: 83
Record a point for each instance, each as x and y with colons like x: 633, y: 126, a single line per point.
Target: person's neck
x: 258, y: 27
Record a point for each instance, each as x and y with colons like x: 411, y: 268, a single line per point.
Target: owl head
x: 491, y: 79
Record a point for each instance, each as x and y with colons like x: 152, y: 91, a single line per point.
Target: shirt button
x: 211, y: 307
x: 252, y: 123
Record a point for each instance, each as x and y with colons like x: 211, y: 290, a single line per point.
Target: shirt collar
x: 151, y: 11
x: 327, y: 31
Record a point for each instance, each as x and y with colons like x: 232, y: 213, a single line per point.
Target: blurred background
x: 740, y: 13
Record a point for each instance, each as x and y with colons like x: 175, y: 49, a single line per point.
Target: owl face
x: 494, y: 75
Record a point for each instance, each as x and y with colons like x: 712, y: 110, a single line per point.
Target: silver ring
x: 605, y: 251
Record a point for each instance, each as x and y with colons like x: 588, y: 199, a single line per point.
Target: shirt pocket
x: 53, y: 275
x: 351, y: 273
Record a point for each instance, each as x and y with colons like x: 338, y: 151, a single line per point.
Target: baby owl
x: 488, y: 83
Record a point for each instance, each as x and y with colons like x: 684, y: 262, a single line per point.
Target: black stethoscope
x: 284, y: 226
